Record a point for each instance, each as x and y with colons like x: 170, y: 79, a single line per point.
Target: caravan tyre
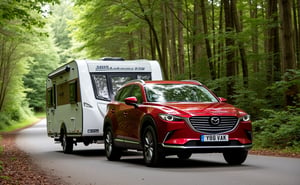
x: 66, y: 143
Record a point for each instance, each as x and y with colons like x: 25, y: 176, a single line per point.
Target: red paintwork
x: 127, y: 122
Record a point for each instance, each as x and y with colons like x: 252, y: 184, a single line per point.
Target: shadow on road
x: 178, y: 163
x: 99, y: 153
x: 171, y: 162
x: 190, y: 165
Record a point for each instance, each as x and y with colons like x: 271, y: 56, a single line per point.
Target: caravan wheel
x: 66, y: 143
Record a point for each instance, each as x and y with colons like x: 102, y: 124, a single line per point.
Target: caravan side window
x: 100, y: 86
x: 73, y: 92
x: 50, y: 98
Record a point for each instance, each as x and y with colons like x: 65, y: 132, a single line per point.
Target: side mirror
x: 222, y: 99
x: 131, y: 101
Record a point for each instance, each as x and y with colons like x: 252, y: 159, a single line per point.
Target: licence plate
x: 214, y: 138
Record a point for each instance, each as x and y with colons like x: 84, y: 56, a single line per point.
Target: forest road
x: 88, y: 165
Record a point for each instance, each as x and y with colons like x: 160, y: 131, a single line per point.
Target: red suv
x: 175, y: 118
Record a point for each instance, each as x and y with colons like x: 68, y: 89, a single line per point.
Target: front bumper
x: 199, y: 147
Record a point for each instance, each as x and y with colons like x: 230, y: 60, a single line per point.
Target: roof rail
x: 137, y: 80
x: 112, y: 59
x: 192, y: 81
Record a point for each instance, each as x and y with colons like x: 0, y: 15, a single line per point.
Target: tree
x: 288, y: 51
x: 238, y: 27
x: 58, y: 21
x: 44, y: 58
x: 18, y: 22
x: 272, y: 47
x: 230, y: 54
x: 207, y: 42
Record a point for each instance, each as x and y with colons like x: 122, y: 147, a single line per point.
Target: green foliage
x: 105, y: 28
x: 291, y: 79
x: 21, y: 11
x: 249, y: 100
x: 279, y: 129
x: 44, y: 58
x: 4, y: 120
x: 19, y: 24
x: 58, y: 22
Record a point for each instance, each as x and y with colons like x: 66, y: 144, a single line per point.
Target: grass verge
x: 24, y: 123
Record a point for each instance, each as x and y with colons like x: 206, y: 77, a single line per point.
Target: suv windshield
x: 178, y: 93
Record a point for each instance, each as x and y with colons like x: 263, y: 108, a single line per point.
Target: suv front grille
x: 205, y: 125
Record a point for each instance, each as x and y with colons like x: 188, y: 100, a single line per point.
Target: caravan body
x: 78, y: 94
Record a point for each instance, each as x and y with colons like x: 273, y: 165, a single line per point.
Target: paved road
x: 88, y: 165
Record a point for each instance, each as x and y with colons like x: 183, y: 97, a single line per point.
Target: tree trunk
x: 230, y: 63
x: 7, y: 66
x: 180, y: 40
x: 238, y: 28
x: 288, y: 52
x: 254, y: 35
x: 188, y: 38
x: 154, y: 35
x: 164, y: 39
x: 207, y: 43
x: 141, y: 49
x: 272, y: 44
x: 173, y: 51
x: 220, y: 43
x: 196, y: 55
x: 130, y: 44
x: 296, y: 9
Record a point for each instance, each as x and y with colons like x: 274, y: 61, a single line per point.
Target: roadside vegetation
x: 234, y: 47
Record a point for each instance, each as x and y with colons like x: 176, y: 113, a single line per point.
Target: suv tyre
x: 152, y: 155
x: 112, y: 152
x: 235, y: 157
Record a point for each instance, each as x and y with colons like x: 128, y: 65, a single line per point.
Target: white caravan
x: 78, y: 94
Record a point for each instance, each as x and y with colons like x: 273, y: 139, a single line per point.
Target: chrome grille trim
x: 202, y: 124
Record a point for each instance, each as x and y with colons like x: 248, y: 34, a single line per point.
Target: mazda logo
x: 215, y: 120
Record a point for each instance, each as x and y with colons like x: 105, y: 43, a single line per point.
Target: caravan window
x: 106, y: 84
x: 73, y: 92
x: 50, y: 98
x: 100, y: 86
x: 118, y: 81
x: 144, y: 77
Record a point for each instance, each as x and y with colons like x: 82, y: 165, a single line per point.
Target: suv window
x: 136, y: 91
x: 123, y: 93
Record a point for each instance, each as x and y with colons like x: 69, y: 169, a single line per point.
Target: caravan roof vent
x: 112, y: 59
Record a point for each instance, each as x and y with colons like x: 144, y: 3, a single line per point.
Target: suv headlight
x: 246, y: 118
x: 169, y: 117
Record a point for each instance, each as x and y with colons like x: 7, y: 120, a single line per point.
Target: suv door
x: 119, y: 113
x: 134, y: 116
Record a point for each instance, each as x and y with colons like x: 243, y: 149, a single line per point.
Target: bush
x: 4, y: 120
x: 278, y: 130
x: 249, y: 101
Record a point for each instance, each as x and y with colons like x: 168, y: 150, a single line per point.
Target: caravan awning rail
x: 59, y: 71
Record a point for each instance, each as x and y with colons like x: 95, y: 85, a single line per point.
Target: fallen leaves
x: 17, y: 168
